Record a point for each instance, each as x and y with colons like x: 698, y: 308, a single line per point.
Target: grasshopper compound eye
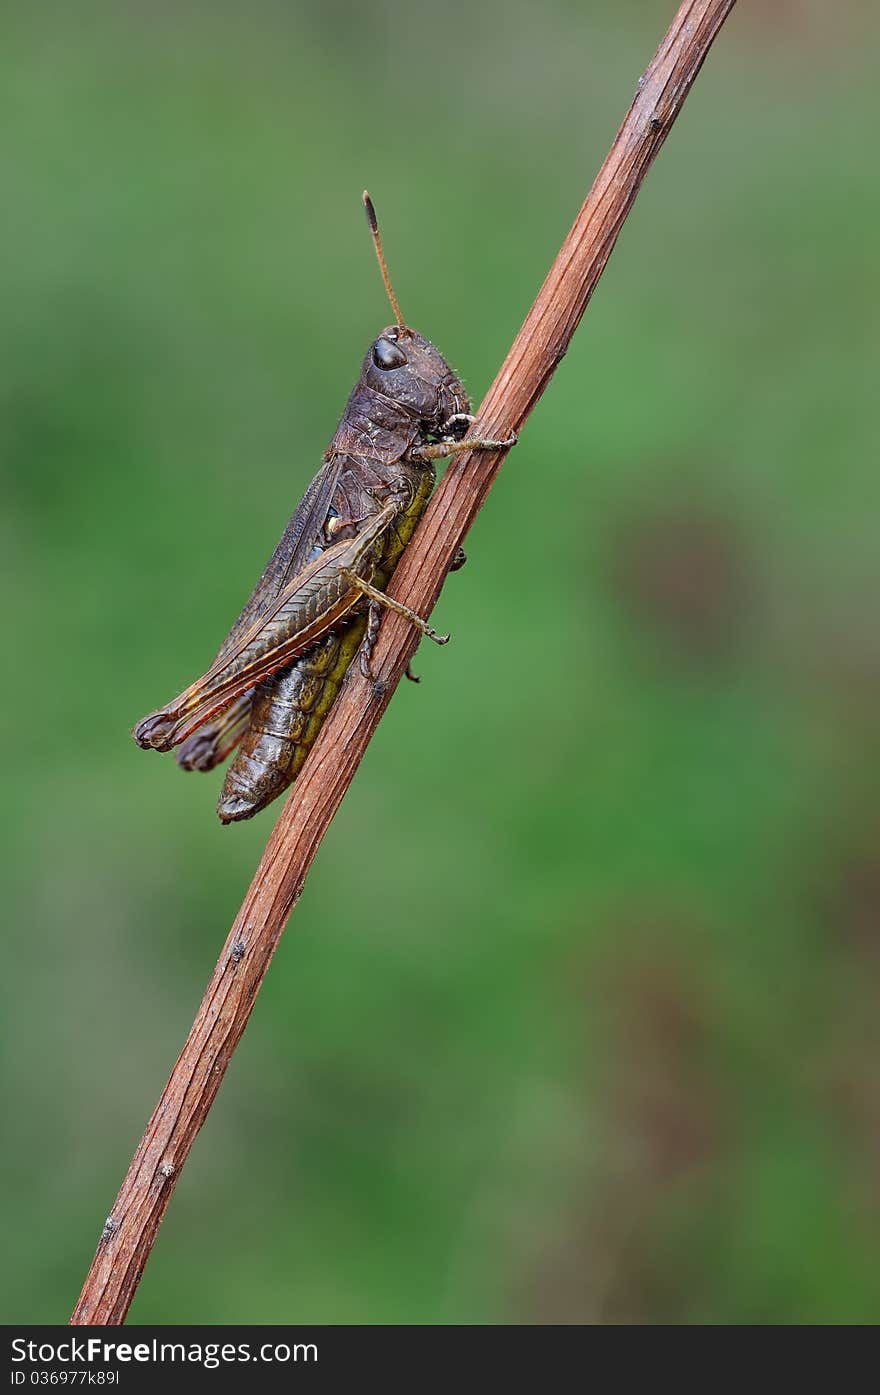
x: 387, y: 354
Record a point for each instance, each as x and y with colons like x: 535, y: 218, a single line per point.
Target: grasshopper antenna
x: 383, y: 265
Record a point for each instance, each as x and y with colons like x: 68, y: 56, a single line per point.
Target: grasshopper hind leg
x: 211, y: 744
x: 374, y: 618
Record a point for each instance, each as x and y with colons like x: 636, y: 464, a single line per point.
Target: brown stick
x: 130, y: 1230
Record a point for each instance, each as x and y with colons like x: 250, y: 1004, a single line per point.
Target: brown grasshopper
x: 321, y: 595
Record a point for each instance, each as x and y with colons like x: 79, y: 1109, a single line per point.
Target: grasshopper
x: 319, y: 601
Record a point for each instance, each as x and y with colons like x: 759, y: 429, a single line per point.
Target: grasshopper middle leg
x: 378, y: 600
x: 374, y: 619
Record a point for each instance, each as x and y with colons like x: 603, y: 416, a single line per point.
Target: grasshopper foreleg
x: 439, y: 450
x: 456, y: 426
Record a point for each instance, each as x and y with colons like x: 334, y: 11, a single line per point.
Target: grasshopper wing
x: 216, y: 740
x: 311, y: 604
x: 294, y: 550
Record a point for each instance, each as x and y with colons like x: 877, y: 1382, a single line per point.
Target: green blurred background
x: 577, y: 1019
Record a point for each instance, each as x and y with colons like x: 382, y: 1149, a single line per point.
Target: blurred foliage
x: 577, y: 1018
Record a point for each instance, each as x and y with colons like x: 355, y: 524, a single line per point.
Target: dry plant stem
x: 131, y: 1228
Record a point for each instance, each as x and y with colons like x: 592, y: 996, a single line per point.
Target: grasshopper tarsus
x: 413, y: 677
x: 458, y: 560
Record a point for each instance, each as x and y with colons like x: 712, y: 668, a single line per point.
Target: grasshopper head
x: 406, y: 368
